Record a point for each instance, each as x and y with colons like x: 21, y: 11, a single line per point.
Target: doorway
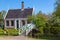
x: 17, y: 24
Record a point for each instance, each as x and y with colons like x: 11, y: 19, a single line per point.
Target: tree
x: 56, y: 14
x: 2, y: 15
x: 54, y: 21
x: 1, y: 20
x: 57, y: 8
x: 39, y: 20
x: 3, y: 12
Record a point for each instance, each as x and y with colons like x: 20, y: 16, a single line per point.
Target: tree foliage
x: 39, y: 20
x: 54, y: 21
x: 57, y: 8
x: 56, y: 15
x: 2, y: 14
x: 1, y: 17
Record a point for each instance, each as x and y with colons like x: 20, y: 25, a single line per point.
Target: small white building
x: 16, y: 18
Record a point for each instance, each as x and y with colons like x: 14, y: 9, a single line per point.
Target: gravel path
x: 15, y: 38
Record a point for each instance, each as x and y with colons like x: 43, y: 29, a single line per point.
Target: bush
x: 55, y: 31
x: 1, y: 31
x: 11, y: 31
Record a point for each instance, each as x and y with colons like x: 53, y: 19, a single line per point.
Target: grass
x: 12, y: 31
x: 48, y: 38
x: 1, y: 31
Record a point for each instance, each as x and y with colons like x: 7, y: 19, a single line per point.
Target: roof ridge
x: 20, y: 9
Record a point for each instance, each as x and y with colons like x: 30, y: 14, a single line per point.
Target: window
x: 7, y: 23
x: 28, y: 21
x: 12, y: 22
x: 23, y: 22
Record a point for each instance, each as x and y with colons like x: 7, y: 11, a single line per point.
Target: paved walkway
x: 15, y: 38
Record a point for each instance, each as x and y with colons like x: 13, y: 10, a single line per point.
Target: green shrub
x: 1, y: 31
x: 12, y: 31
x: 55, y: 31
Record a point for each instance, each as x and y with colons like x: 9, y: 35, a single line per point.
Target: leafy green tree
x: 3, y: 12
x: 2, y: 15
x: 39, y: 20
x: 54, y: 21
x: 54, y: 24
x: 1, y: 20
x: 56, y: 14
x: 57, y: 8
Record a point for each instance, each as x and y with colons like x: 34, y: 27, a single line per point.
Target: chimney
x: 22, y: 6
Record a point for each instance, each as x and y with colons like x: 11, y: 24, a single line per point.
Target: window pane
x: 12, y: 22
x: 7, y: 23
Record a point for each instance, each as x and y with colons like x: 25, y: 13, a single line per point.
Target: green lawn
x: 40, y: 39
x: 48, y: 38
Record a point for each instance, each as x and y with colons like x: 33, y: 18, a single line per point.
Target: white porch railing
x: 29, y: 28
x: 21, y: 30
x: 26, y: 28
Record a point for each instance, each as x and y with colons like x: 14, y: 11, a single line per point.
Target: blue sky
x: 46, y: 6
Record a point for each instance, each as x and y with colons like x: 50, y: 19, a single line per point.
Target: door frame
x: 17, y: 24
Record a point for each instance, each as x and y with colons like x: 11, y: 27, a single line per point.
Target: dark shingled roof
x: 18, y: 13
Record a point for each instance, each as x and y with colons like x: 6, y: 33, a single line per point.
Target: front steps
x: 26, y: 29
